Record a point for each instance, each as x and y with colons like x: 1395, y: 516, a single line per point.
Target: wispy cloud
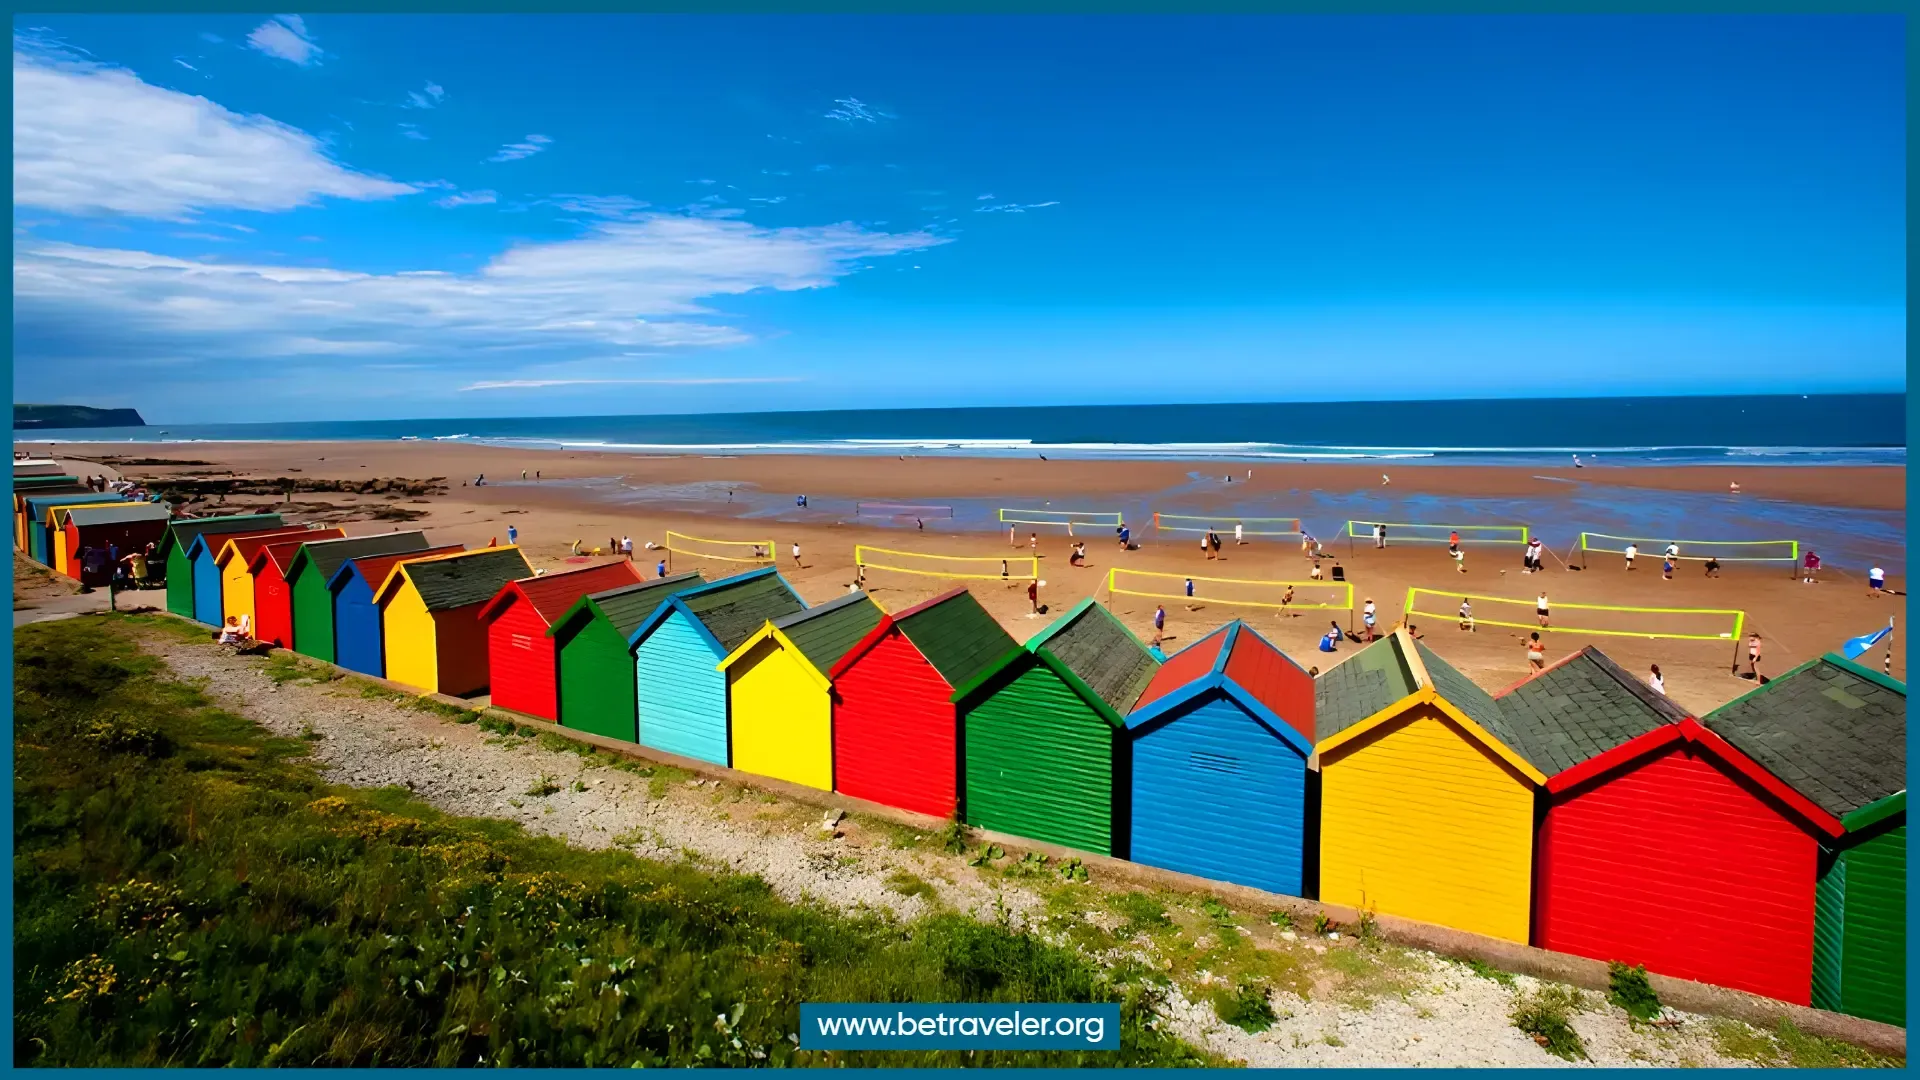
x: 774, y: 199
x: 468, y: 198
x: 534, y: 144
x: 617, y: 207
x: 91, y: 138
x: 853, y: 111
x: 184, y: 64
x: 979, y: 198
x: 412, y: 131
x: 1013, y: 208
x: 530, y: 384
x: 426, y: 98
x: 822, y: 168
x: 286, y: 37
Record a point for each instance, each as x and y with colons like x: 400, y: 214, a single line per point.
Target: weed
x: 1488, y: 971
x: 495, y: 725
x: 1245, y: 1005
x: 954, y: 837
x: 1219, y: 913
x: 1322, y: 924
x: 1032, y: 864
x: 987, y: 855
x: 1073, y: 870
x: 1333, y: 1039
x: 543, y: 787
x: 579, y: 785
x: 1628, y: 988
x: 308, y: 733
x: 1547, y: 1015
x: 1367, y: 930
x: 908, y: 884
x: 1281, y: 919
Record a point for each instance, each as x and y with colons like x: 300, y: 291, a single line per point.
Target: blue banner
x: 1045, y: 1026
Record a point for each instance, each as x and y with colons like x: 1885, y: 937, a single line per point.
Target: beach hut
x: 519, y: 652
x: 1042, y: 750
x: 38, y: 467
x: 1427, y: 797
x: 129, y: 527
x: 209, y: 592
x: 680, y: 696
x: 429, y: 617
x: 314, y: 565
x: 779, y: 700
x: 1647, y: 814
x: 896, y: 735
x: 40, y: 530
x: 236, y: 564
x: 39, y: 485
x: 1835, y: 733
x: 173, y: 554
x: 272, y: 597
x: 1220, y: 742
x: 60, y: 557
x: 359, y: 643
x: 594, y: 667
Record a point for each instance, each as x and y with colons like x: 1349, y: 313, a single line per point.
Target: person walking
x: 1126, y: 538
x: 1536, y: 652
x: 1379, y: 535
x: 1632, y: 550
x: 1159, y: 623
x: 1540, y: 608
x: 1033, y: 594
x: 1367, y: 616
x: 660, y: 568
x: 513, y: 534
x: 1239, y: 535
x: 1466, y: 615
x: 796, y: 553
x: 1213, y: 540
x: 1876, y: 582
x: 1666, y: 568
x: 1459, y: 557
x: 1285, y: 599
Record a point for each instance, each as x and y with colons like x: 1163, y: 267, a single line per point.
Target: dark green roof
x: 1832, y: 731
x: 1465, y: 694
x: 106, y: 515
x: 185, y: 531
x: 328, y: 556
x: 733, y: 613
x: 629, y: 605
x: 468, y: 578
x: 1581, y: 708
x: 1105, y: 655
x: 824, y: 634
x: 957, y: 637
x: 1359, y: 686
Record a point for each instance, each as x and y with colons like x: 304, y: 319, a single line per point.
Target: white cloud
x: 412, y: 131
x: 1013, y: 208
x: 515, y: 151
x: 620, y: 207
x: 849, y: 110
x: 286, y: 37
x: 529, y: 384
x: 468, y: 198
x: 89, y: 138
x: 426, y: 98
x: 639, y: 283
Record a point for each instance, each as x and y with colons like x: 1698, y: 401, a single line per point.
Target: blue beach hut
x: 1220, y: 741
x: 359, y: 640
x: 680, y: 694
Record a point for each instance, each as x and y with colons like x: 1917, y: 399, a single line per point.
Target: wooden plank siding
x: 1040, y: 762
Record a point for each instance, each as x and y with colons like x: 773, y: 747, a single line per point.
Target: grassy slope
x: 189, y: 892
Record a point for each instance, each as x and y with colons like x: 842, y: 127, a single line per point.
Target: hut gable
x: 245, y: 547
x: 375, y: 569
x: 1478, y: 706
x: 1195, y: 662
x: 734, y: 609
x: 185, y: 531
x: 1361, y: 686
x: 85, y: 516
x: 1831, y: 730
x: 327, y: 556
x: 551, y: 595
x: 453, y: 581
x: 1103, y: 654
x: 824, y: 634
x: 1582, y: 707
x: 627, y: 606
x: 956, y: 635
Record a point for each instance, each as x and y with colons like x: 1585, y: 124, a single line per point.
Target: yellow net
x: 1680, y: 624
x: 1249, y: 526
x: 1013, y: 516
x: 970, y: 567
x: 1787, y: 551
x: 746, y: 551
x: 1243, y: 592
x: 1415, y: 533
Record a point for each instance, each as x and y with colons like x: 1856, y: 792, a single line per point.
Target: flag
x: 1855, y: 646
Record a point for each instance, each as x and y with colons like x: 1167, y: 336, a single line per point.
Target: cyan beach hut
x: 359, y: 640
x: 177, y: 542
x: 1043, y: 752
x: 1221, y: 739
x: 209, y: 587
x: 593, y: 664
x: 680, y: 693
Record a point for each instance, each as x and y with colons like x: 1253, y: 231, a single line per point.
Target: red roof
x: 375, y: 568
x: 1279, y: 683
x: 247, y: 545
x: 1195, y: 661
x: 281, y: 554
x: 552, y: 594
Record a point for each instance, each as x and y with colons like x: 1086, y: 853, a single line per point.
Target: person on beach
x: 1414, y: 632
x: 1466, y: 615
x: 523, y: 474
x: 660, y: 568
x: 1330, y: 641
x: 1206, y: 552
x: 1239, y: 537
x: 481, y: 481
x: 1367, y: 616
x: 796, y: 554
x: 1306, y: 542
x: 1011, y: 542
x: 1632, y: 550
x: 1673, y: 550
x: 1453, y: 538
x: 1379, y: 536
x: 1540, y: 608
x: 536, y: 476
x: 1159, y: 623
x: 1666, y: 568
x: 1385, y: 480
x: 1314, y: 574
x: 1079, y: 556
x: 1713, y: 566
x: 229, y: 634
x: 1459, y: 557
x: 1876, y: 582
x: 574, y: 548
x: 1810, y: 568
x: 1733, y: 487
x: 1536, y: 652
x: 1213, y: 540
x: 1004, y: 576
x: 1126, y: 538
x: 1033, y: 543
x: 1753, y: 655
x: 1189, y: 588
x: 1654, y: 680
x: 513, y: 534
x: 1539, y: 550
x: 1285, y: 599
x: 626, y: 547
x: 1033, y: 594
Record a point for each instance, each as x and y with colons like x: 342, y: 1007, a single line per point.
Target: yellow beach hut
x: 1427, y: 795
x: 430, y: 617
x: 236, y: 582
x: 779, y: 700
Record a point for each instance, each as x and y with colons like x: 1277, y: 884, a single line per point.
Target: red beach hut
x: 517, y: 619
x: 272, y: 600
x: 1661, y: 843
x: 895, y: 727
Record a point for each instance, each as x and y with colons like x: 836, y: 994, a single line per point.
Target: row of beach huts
x: 1760, y: 847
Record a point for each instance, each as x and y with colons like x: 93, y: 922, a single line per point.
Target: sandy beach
x: 594, y: 497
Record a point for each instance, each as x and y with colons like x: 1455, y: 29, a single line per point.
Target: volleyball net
x: 968, y: 567
x: 902, y: 510
x: 1249, y: 526
x: 1069, y: 518
x: 746, y: 551
x: 1242, y: 592
x: 1440, y: 534
x: 1758, y: 551
x: 1677, y: 624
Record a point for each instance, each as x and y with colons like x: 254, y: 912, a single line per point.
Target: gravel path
x: 1452, y: 1017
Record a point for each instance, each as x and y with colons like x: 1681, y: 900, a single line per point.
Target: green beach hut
x: 593, y: 668
x: 314, y: 565
x: 1044, y: 751
x: 1836, y: 733
x: 180, y: 535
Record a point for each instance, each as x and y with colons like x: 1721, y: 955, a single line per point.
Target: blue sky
x: 332, y: 217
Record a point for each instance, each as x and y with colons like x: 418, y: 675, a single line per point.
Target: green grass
x: 189, y: 891
x: 1245, y: 1006
x: 1788, y: 1046
x: 1547, y: 1015
x: 1488, y: 971
x: 909, y: 884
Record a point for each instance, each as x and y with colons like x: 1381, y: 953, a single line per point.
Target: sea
x: 1816, y: 429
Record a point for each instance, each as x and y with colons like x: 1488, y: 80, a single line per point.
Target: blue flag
x: 1855, y: 646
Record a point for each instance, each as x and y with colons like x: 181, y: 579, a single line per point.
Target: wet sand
x: 1796, y: 621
